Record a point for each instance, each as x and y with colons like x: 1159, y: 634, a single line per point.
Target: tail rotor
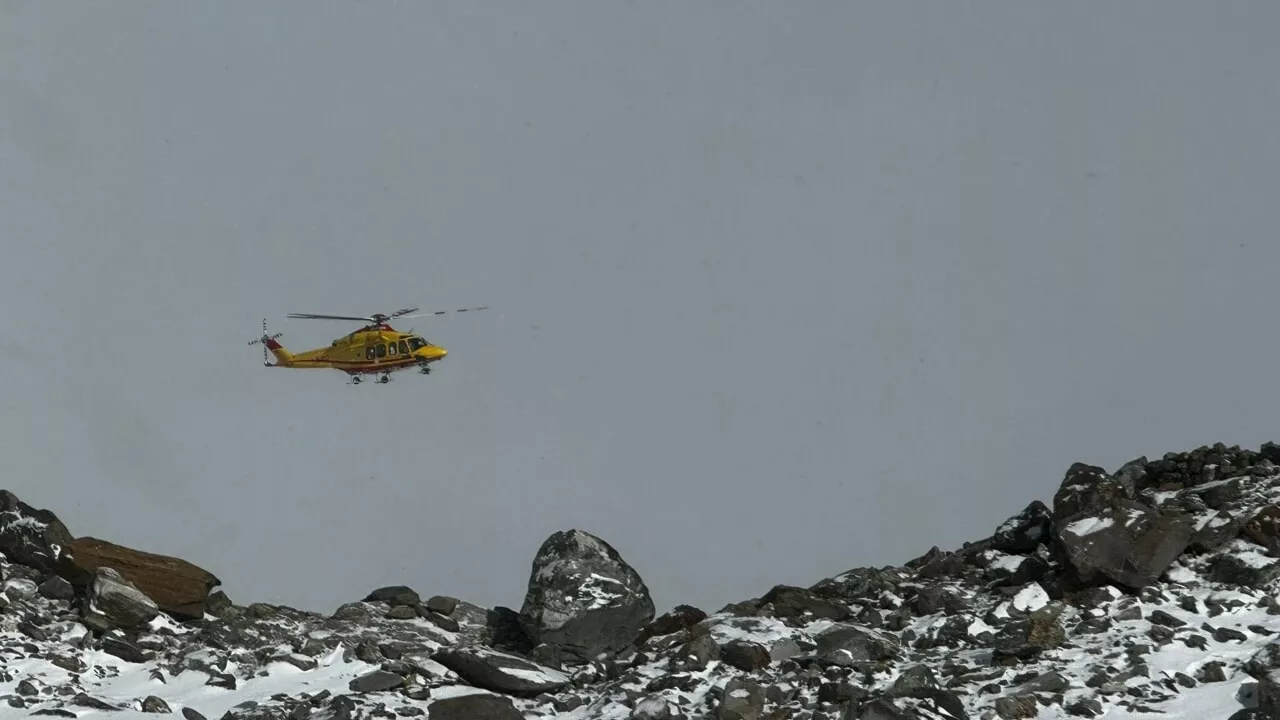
x: 263, y: 341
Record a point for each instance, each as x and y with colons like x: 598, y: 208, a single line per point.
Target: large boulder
x: 30, y: 536
x: 583, y: 599
x: 1123, y: 542
x: 177, y: 587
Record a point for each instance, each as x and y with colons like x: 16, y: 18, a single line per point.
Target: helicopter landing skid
x: 382, y: 380
x: 385, y: 377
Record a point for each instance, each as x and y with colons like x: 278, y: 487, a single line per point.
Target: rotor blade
x: 404, y: 311
x: 312, y: 316
x: 264, y: 338
x: 443, y: 312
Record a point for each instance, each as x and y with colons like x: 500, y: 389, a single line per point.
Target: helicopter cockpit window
x: 416, y: 343
x: 404, y: 348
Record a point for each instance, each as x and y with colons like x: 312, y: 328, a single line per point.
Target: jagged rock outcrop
x: 33, y: 537
x: 1133, y: 593
x: 1025, y: 531
x: 1123, y: 541
x: 583, y: 599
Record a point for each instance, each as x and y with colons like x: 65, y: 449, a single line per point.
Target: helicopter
x: 376, y: 348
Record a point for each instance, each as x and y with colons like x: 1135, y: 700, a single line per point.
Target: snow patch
x: 1089, y: 525
x: 1031, y: 598
x: 1251, y: 555
x: 1009, y: 563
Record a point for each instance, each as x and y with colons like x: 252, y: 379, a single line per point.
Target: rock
x: 797, y: 603
x: 444, y: 622
x: 1133, y: 476
x: 1264, y: 529
x: 376, y: 681
x: 153, y: 704
x: 1023, y: 532
x: 743, y: 700
x: 124, y: 650
x: 678, y: 619
x: 1087, y: 707
x: 1124, y: 542
x: 402, y: 612
x: 546, y: 656
x: 1220, y: 495
x: 1253, y: 714
x: 218, y: 603
x: 861, y: 584
x: 939, y: 564
x: 20, y: 588
x: 113, y: 602
x: 57, y: 588
x: 33, y: 537
x: 1214, y: 531
x: 83, y: 699
x: 700, y: 651
x: 849, y: 645
x: 473, y: 706
x: 653, y: 707
x: 505, y: 631
x: 500, y: 672
x: 583, y: 597
x: 1016, y: 707
x: 1085, y: 488
x: 442, y: 604
x: 1241, y: 563
x: 939, y: 704
x: 1025, y: 638
x: 915, y: 681
x: 745, y: 655
x: 176, y: 586
x: 395, y: 596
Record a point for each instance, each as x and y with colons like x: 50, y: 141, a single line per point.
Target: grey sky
x: 778, y: 289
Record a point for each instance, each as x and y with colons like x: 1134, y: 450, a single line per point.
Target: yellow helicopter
x: 374, y: 349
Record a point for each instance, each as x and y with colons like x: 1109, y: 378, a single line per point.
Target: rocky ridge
x: 1154, y: 589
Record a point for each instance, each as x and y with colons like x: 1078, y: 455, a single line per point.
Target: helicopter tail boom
x: 283, y: 356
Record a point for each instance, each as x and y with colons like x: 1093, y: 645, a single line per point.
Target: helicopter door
x: 380, y: 351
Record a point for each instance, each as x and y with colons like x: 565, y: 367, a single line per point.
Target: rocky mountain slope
x: 1150, y: 591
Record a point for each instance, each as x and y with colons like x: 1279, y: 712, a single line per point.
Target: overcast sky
x: 777, y: 289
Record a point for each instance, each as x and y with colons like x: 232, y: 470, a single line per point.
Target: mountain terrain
x: 1150, y: 591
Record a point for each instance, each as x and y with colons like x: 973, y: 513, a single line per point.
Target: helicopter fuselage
x: 371, y: 350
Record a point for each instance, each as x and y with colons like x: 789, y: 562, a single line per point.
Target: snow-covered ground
x: 983, y: 632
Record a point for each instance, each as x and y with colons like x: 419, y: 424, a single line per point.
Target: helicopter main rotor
x: 380, y: 318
